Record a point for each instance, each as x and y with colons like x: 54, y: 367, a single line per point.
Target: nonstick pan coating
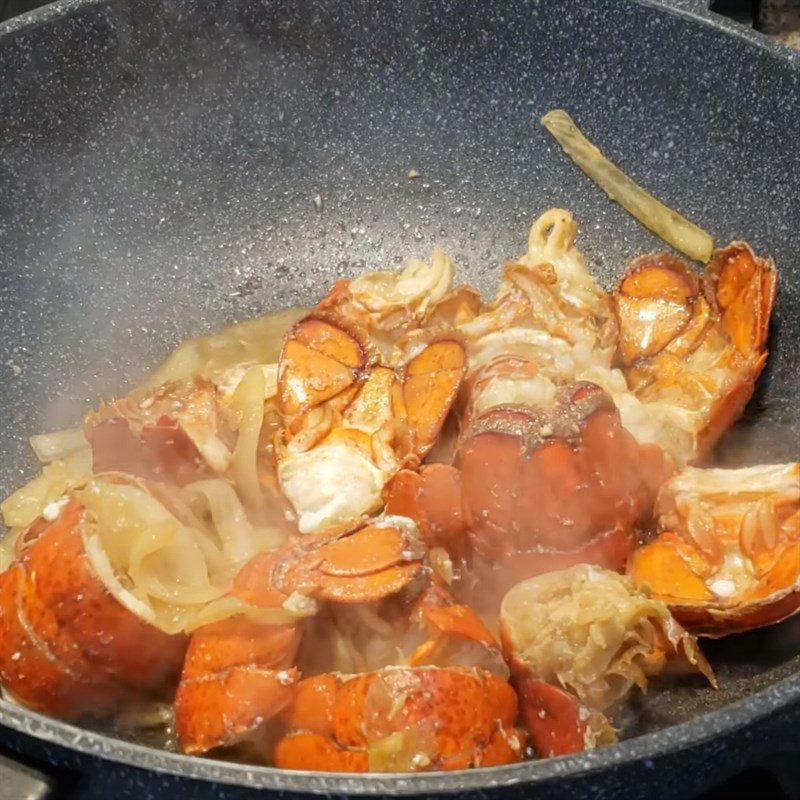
x: 158, y: 165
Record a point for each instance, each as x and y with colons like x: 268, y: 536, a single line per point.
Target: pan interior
x: 159, y: 164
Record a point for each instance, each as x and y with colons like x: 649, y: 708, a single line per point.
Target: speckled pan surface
x: 158, y: 164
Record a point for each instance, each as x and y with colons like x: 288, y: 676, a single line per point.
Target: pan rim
x: 681, y: 737
x: 644, y: 748
x: 697, y: 10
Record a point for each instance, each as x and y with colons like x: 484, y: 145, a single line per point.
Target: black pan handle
x: 745, y: 12
x: 785, y: 767
x: 19, y: 782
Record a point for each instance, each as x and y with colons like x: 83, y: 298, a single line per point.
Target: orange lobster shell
x: 67, y: 646
x: 401, y: 719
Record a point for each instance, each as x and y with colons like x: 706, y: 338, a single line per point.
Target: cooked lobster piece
x: 68, y: 647
x: 691, y: 347
x: 727, y: 555
x: 420, y: 531
x: 401, y: 720
x: 364, y: 391
x: 537, y: 490
x: 364, y: 599
x: 577, y: 641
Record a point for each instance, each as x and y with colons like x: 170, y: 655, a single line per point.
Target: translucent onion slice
x: 248, y: 404
x: 404, y: 751
x: 160, y: 569
x: 229, y: 606
x: 144, y: 715
x: 58, y: 444
x: 22, y: 507
x: 239, y: 539
x: 667, y: 224
x: 174, y: 569
x: 8, y: 547
x: 172, y: 565
x: 255, y: 341
x: 101, y: 564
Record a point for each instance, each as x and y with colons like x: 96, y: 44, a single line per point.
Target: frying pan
x: 158, y: 164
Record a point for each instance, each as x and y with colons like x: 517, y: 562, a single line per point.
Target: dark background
x: 10, y: 8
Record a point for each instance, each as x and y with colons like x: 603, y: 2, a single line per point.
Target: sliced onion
x: 409, y: 750
x: 255, y: 341
x: 8, y: 547
x: 144, y: 715
x: 162, y: 570
x: 58, y: 444
x: 229, y: 606
x: 101, y: 564
x: 248, y: 404
x: 667, y: 224
x: 239, y: 539
x: 22, y: 507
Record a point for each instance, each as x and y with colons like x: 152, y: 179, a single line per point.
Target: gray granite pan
x: 158, y: 164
